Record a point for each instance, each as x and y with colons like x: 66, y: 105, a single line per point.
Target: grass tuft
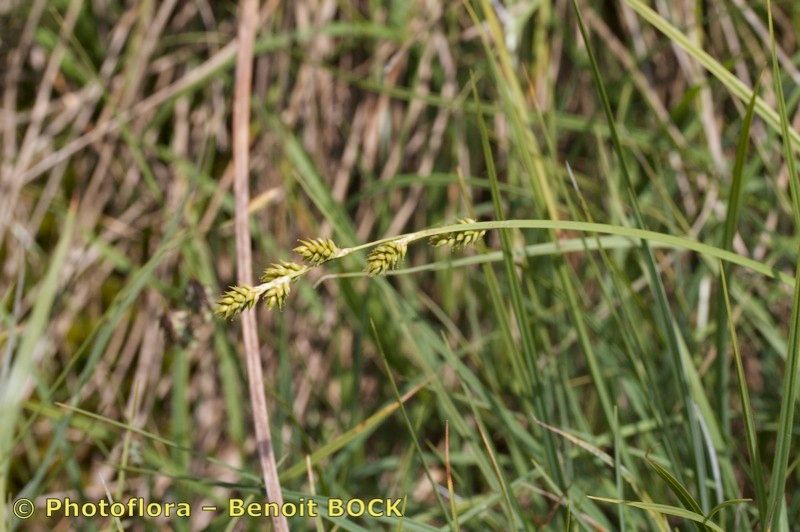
x: 551, y: 280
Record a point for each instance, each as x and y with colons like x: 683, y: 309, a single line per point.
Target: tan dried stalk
x: 248, y: 15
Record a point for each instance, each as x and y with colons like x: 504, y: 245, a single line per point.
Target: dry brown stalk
x: 248, y: 15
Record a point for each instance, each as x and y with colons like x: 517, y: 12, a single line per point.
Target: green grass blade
x: 731, y: 82
x: 510, y: 507
x: 409, y: 425
x: 731, y: 218
x: 664, y: 509
x: 527, y: 147
x: 618, y: 442
x: 342, y: 440
x: 23, y: 366
x: 791, y: 384
x: 664, y: 315
x: 528, y: 349
x: 725, y: 504
x: 650, y: 237
x: 678, y: 489
x: 756, y: 469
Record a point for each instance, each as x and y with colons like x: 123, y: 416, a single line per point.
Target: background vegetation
x: 537, y: 372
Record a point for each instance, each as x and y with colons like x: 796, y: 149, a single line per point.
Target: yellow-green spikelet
x: 275, y: 296
x: 316, y: 250
x: 281, y: 269
x: 236, y: 300
x: 458, y: 239
x: 386, y: 257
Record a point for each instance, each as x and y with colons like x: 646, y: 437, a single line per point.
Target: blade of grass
x: 535, y: 384
x: 625, y: 319
x: 664, y: 315
x: 756, y: 469
x: 313, y: 492
x: 451, y: 494
x: 23, y: 366
x: 731, y: 219
x: 618, y: 467
x: 677, y: 488
x: 664, y: 509
x: 721, y: 506
x: 653, y: 238
x: 791, y: 384
x: 527, y: 147
x: 510, y: 506
x: 347, y: 437
x: 409, y: 425
x: 731, y: 82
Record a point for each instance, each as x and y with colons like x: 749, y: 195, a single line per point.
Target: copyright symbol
x: 23, y: 508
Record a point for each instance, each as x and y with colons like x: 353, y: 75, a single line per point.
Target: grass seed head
x: 236, y: 300
x: 386, y: 257
x: 275, y: 296
x: 458, y: 239
x: 316, y: 250
x: 281, y: 269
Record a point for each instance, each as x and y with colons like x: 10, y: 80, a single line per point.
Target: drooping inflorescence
x: 458, y: 239
x: 386, y: 256
x: 316, y: 250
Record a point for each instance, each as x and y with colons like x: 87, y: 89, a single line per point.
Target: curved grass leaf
x: 664, y: 509
x: 731, y: 218
x: 758, y: 478
x: 725, y: 504
x: 731, y: 82
x: 678, y: 489
x: 791, y: 383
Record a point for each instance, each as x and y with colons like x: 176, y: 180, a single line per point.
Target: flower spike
x: 282, y: 269
x: 315, y: 251
x: 386, y: 257
x: 275, y: 296
x: 236, y: 300
x: 458, y: 239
